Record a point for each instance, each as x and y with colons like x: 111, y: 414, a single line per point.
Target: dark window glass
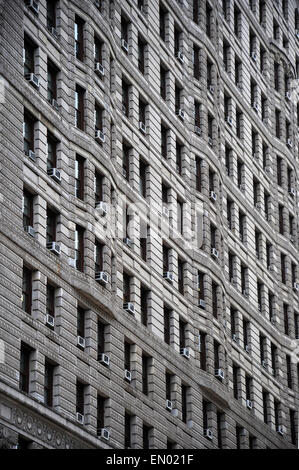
x: 27, y: 290
x: 79, y: 248
x: 79, y: 108
x: 78, y: 33
x: 25, y: 368
x: 49, y: 382
x: 79, y: 177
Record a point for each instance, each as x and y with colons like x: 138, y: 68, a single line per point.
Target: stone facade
x: 239, y: 164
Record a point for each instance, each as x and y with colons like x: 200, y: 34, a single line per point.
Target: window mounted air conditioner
x: 219, y: 373
x: 33, y: 5
x: 80, y: 418
x: 290, y: 143
x: 30, y: 154
x: 81, y: 341
x: 288, y: 95
x: 297, y: 33
x: 249, y: 404
x: 185, y: 352
x: 214, y: 253
x: 32, y: 79
x: 292, y: 192
x: 104, y: 359
x: 213, y: 195
x: 99, y: 136
x: 128, y: 242
x: 264, y: 364
x: 99, y: 69
x: 104, y: 434
x: 202, y: 304
x: 102, y: 277
x: 292, y: 239
x: 259, y: 307
x: 128, y: 375
x: 197, y: 130
x: 235, y: 338
x: 124, y: 45
x: 246, y: 348
x: 271, y: 267
x: 180, y: 113
x: 168, y: 276
x: 54, y: 33
x: 254, y: 56
x: 55, y: 104
x: 129, y: 307
x: 255, y: 106
x: 245, y: 293
x: 142, y: 127
x: 210, y: 141
x: 124, y: 109
x: 280, y: 430
x: 296, y: 286
x: 180, y: 56
x: 101, y: 207
x: 208, y: 433
x: 233, y: 281
x: 211, y: 89
x: 55, y: 174
x: 30, y: 230
x: 50, y: 320
x: 169, y: 405
x: 256, y: 155
x: 54, y: 248
x: 229, y: 121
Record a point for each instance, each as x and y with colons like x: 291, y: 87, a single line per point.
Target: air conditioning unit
x: 32, y: 79
x: 142, y: 127
x: 264, y: 364
x: 54, y: 32
x: 124, y: 45
x: 210, y: 141
x: 102, y: 277
x: 280, y: 430
x: 259, y: 307
x: 292, y: 192
x: 233, y: 281
x: 239, y: 85
x: 81, y: 341
x: 179, y: 55
x: 229, y: 121
x: 202, y: 304
x: 55, y: 174
x: 185, y: 352
x: 249, y: 404
x: 129, y: 307
x: 128, y: 242
x: 297, y: 33
x: 288, y: 95
x: 258, y: 206
x: 211, y: 89
x: 197, y: 130
x: 54, y: 248
x: 235, y: 338
x: 246, y: 348
x: 128, y: 375
x: 50, y: 320
x: 271, y: 267
x: 256, y: 155
x: 296, y: 286
x: 254, y: 56
x: 80, y: 418
x: 101, y: 207
x: 290, y: 143
x: 33, y: 5
x: 180, y: 113
x: 245, y: 293
x: 124, y: 109
x: 55, y: 104
x: 104, y: 359
x: 219, y: 373
x: 30, y: 230
x: 104, y: 434
x: 213, y: 195
x: 99, y: 136
x: 169, y: 405
x: 30, y: 154
x: 255, y: 106
x: 99, y: 69
x: 208, y: 433
x: 168, y: 276
x: 214, y: 253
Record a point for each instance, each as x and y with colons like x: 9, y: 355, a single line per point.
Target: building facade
x: 149, y: 224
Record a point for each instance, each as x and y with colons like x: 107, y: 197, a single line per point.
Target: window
x: 283, y: 268
x: 127, y: 356
x: 98, y: 118
x: 98, y: 186
x: 237, y: 22
x: 80, y: 397
x: 126, y: 288
x: 238, y: 72
x: 144, y: 298
x: 127, y: 431
x: 126, y: 161
x: 28, y: 200
x: 276, y: 30
x: 184, y: 403
x: 25, y: 359
x: 146, y: 430
x: 203, y: 350
x: 143, y: 167
x: 233, y: 317
x: 101, y: 338
x: 226, y: 52
x: 265, y: 406
x: 209, y: 74
x: 164, y: 133
x: 239, y: 120
x: 289, y: 371
x: 198, y: 162
x: 167, y: 313
x: 209, y: 19
x: 286, y: 318
x: 196, y: 62
x: 178, y: 97
x: 142, y: 111
x: 51, y: 14
x: 98, y: 50
x: 28, y: 132
x: 205, y: 414
x: 293, y: 427
x: 163, y: 82
x: 79, y: 248
x: 244, y: 275
x: 220, y: 427
x: 177, y: 40
x: 163, y: 13
x: 240, y: 173
x: 51, y: 294
x: 274, y: 358
x: 101, y: 405
x: 81, y: 322
x: 28, y: 56
x: 49, y: 383
x: 99, y: 256
x: 124, y: 29
x: 214, y: 300
x: 51, y: 226
x: 281, y: 219
x: 52, y: 152
x: 248, y: 387
x: 52, y: 82
x: 242, y: 224
x: 236, y: 371
x: 182, y: 333
x: 216, y: 347
x: 166, y: 253
x: 262, y: 9
x: 231, y: 258
x: 27, y: 290
x: 277, y: 123
x: 79, y: 42
x: 181, y: 265
x: 144, y: 241
x: 276, y: 413
x: 145, y: 373
x: 210, y: 129
x: 196, y: 11
x: 179, y: 154
x: 125, y: 97
x: 141, y: 55
x: 79, y: 177
x: 79, y: 108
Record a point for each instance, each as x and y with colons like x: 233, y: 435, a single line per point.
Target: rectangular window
x: 196, y: 62
x: 28, y: 132
x: 145, y: 373
x: 179, y: 152
x: 51, y: 14
x: 141, y: 55
x: 293, y: 427
x: 202, y: 350
x: 146, y: 436
x: 25, y: 358
x: 265, y: 405
x: 125, y: 97
x: 127, y: 356
x: 164, y: 132
x: 80, y: 396
x: 78, y: 34
x: 79, y: 108
x: 98, y: 50
x: 51, y: 226
x: 27, y: 290
x: 184, y: 403
x: 237, y: 22
x: 28, y: 200
x: 126, y: 288
x: 142, y: 177
x: 277, y: 123
x: 182, y: 333
x: 79, y: 248
x: 283, y: 268
x: 214, y: 300
x: 51, y: 292
x: 126, y: 161
x: 98, y: 186
x: 235, y: 381
x: 28, y: 56
x: 220, y: 422
x: 81, y: 322
x: 49, y: 383
x: 98, y: 118
x: 99, y: 252
x: 165, y: 259
x: 101, y: 404
x: 196, y: 11
x: 163, y: 82
x: 209, y: 19
x: 101, y: 338
x: 79, y: 177
x: 142, y: 111
x: 52, y: 152
x: 127, y: 431
x: 289, y: 371
x: 198, y: 162
x: 167, y: 313
x: 143, y: 243
x: 124, y: 29
x: 273, y: 358
x: 52, y: 82
x: 144, y: 296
